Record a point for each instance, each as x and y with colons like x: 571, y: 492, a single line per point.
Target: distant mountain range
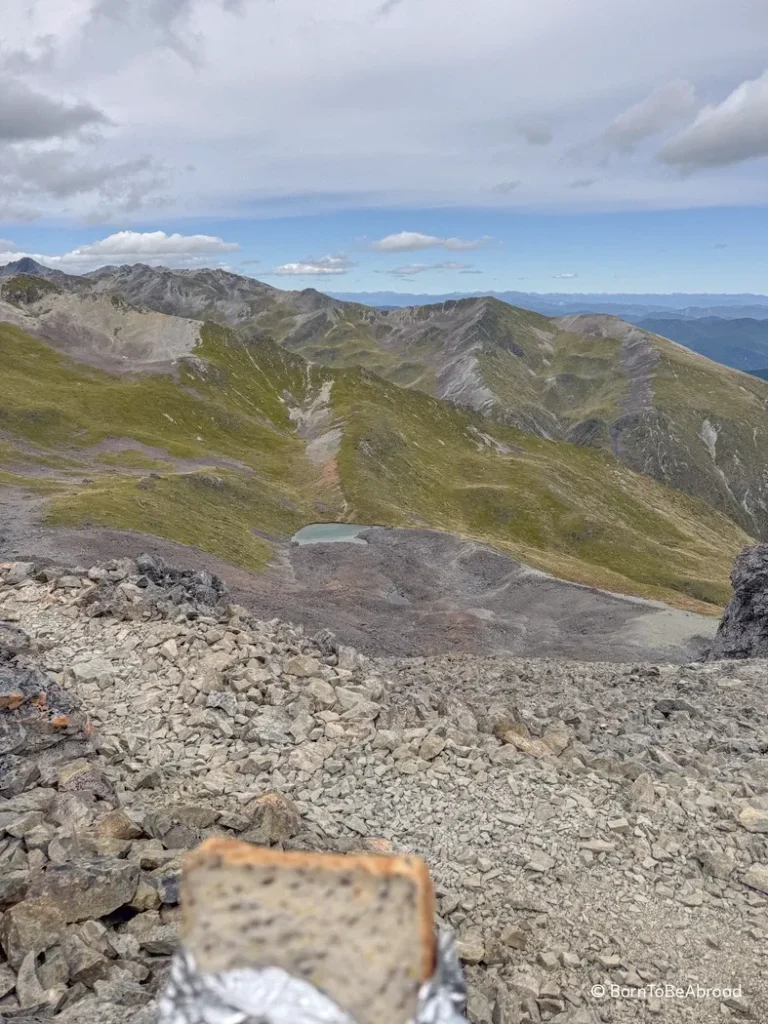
x: 740, y: 342
x: 627, y: 306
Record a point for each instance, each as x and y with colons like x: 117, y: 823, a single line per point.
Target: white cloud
x: 412, y: 241
x: 27, y: 115
x: 407, y: 111
x: 325, y: 265
x: 7, y: 247
x: 656, y: 113
x: 165, y: 23
x: 153, y: 247
x: 536, y: 133
x: 152, y: 243
x: 411, y: 269
x: 387, y: 7
x: 568, y: 276
x: 725, y: 133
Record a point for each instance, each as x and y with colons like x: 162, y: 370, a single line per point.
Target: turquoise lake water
x: 329, y: 533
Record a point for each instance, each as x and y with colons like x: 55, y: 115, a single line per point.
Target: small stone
x: 149, y: 780
x: 541, y: 863
x: 17, y: 572
x: 610, y: 961
x: 94, y: 934
x: 515, y: 938
x: 275, y: 818
x: 82, y: 775
x: 54, y: 971
x: 479, y: 1009
x: 642, y: 795
x: 85, y: 964
x: 13, y: 886
x: 754, y: 819
x: 470, y: 947
x: 431, y: 746
x: 738, y: 1005
x: 146, y: 897
x: 302, y: 666
x: 519, y: 737
x: 117, y: 825
x: 598, y: 846
x: 548, y: 961
x: 310, y: 757
x: 556, y: 737
x: 31, y: 926
x: 756, y: 877
x: 169, y: 650
x: 93, y: 670
x: 26, y: 823
x: 29, y: 991
x: 321, y: 692
x: 68, y: 582
x: 7, y: 980
x: 166, y: 881
x: 233, y: 820
x: 195, y: 815
x: 87, y: 889
x: 224, y: 701
x: 161, y: 940
x: 618, y: 825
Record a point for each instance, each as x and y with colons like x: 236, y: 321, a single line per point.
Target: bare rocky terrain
x: 597, y: 832
x: 402, y: 593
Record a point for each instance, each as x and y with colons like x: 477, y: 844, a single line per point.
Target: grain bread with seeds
x: 359, y: 927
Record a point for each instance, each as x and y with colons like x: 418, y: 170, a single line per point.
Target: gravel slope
x: 586, y: 824
x: 407, y: 593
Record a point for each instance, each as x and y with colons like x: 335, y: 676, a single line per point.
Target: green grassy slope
x: 579, y: 380
x: 405, y: 458
x: 227, y: 406
x: 573, y: 378
x: 691, y: 424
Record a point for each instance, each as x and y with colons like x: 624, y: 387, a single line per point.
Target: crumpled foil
x: 270, y: 995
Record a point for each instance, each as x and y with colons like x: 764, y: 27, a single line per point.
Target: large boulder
x: 743, y: 630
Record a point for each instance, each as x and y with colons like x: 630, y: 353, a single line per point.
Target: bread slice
x: 359, y: 927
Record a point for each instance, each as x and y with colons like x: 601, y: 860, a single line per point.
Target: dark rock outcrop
x: 743, y: 631
x: 127, y: 589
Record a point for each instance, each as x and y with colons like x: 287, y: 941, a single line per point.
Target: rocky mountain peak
x: 26, y: 265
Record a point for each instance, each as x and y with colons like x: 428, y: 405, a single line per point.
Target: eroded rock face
x: 743, y: 631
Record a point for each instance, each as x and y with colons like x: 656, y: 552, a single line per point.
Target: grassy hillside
x: 595, y: 381
x: 224, y: 455
x: 688, y: 422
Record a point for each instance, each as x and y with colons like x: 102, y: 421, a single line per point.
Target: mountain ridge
x: 235, y: 444
x: 592, y: 380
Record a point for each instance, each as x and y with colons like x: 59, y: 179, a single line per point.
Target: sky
x: 406, y: 145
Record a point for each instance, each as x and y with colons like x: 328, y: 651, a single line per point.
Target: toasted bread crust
x: 221, y: 850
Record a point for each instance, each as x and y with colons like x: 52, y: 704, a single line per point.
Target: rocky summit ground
x: 597, y: 833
